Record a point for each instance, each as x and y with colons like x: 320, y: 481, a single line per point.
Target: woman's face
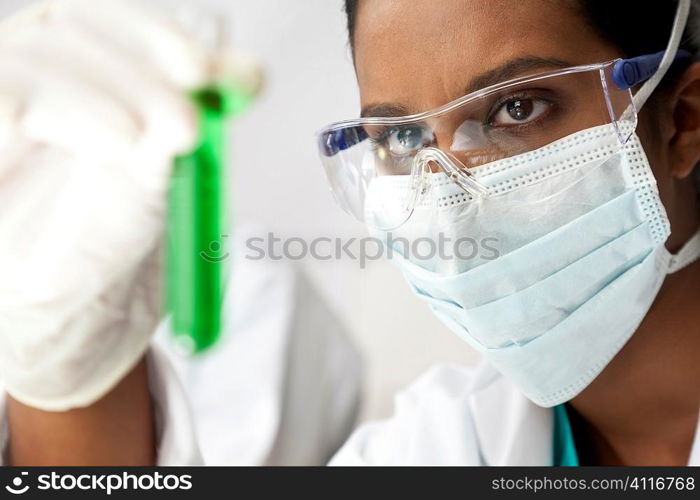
x: 412, y: 56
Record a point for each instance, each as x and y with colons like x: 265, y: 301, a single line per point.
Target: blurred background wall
x: 280, y: 185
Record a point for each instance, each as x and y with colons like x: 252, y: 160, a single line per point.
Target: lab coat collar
x: 511, y: 429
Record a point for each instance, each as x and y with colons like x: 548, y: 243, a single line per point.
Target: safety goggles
x: 492, y: 124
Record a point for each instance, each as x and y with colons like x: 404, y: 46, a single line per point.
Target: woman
x: 547, y: 165
x: 571, y: 313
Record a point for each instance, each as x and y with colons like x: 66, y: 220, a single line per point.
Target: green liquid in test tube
x: 197, y: 257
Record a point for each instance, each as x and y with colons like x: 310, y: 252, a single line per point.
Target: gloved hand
x: 93, y: 106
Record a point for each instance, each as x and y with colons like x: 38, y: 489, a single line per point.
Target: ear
x: 685, y: 144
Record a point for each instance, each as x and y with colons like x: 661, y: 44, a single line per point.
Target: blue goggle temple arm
x: 630, y: 72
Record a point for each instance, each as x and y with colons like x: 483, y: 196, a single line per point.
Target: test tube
x: 197, y: 257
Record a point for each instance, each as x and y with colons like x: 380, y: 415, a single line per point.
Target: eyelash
x: 381, y: 140
x: 524, y: 95
x: 376, y: 141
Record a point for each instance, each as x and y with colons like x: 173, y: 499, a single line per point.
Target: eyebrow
x: 384, y: 109
x: 512, y: 69
x: 502, y: 73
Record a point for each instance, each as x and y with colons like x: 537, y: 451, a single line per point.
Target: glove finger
x: 84, y: 99
x: 37, y: 103
x: 130, y: 28
x: 69, y: 226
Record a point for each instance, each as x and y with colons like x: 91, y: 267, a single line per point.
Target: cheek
x: 649, y: 133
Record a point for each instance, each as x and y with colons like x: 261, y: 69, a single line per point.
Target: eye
x: 405, y: 140
x: 519, y: 111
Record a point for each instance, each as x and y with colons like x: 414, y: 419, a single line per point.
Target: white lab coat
x: 281, y: 387
x: 452, y: 415
x: 456, y: 416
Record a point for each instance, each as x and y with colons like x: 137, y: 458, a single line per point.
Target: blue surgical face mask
x: 579, y: 257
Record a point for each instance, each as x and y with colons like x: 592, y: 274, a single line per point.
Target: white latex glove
x: 93, y: 107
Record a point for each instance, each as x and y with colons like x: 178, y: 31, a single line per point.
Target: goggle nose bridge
x: 461, y: 176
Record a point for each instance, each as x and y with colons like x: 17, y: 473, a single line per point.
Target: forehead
x: 422, y: 53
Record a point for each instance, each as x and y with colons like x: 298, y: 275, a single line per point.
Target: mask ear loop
x: 689, y: 253
x: 679, y: 23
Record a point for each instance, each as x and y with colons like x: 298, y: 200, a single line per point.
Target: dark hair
x: 635, y: 27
